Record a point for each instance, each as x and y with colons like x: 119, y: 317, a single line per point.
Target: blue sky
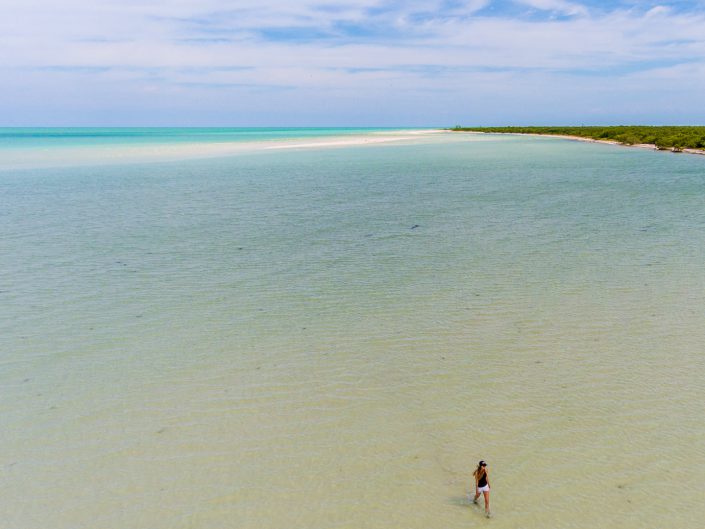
x: 356, y: 63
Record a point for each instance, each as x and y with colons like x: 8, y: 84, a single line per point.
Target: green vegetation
x: 671, y: 137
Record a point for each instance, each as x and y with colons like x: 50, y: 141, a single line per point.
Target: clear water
x: 28, y: 148
x: 33, y: 138
x: 265, y: 340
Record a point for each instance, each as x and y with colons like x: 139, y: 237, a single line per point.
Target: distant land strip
x: 667, y: 138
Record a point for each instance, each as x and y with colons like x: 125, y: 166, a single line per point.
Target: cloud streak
x: 344, y: 56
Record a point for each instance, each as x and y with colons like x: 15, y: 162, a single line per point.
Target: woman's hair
x: 480, y: 469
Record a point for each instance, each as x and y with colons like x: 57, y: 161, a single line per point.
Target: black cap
x: 482, y: 464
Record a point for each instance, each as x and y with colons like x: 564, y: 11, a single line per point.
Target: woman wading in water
x: 482, y: 484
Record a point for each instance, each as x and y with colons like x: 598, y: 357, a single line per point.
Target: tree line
x: 674, y: 138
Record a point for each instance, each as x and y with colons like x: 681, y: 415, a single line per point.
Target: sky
x: 351, y: 62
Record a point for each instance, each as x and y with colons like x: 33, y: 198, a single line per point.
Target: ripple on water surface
x: 334, y: 338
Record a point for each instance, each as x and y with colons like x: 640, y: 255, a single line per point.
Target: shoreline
x: 337, y: 141
x: 649, y: 146
x: 148, y: 153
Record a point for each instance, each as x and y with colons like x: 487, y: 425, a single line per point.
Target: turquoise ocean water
x: 332, y: 336
x: 33, y: 138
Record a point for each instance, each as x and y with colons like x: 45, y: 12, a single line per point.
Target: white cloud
x: 560, y: 6
x: 657, y: 10
x: 179, y: 50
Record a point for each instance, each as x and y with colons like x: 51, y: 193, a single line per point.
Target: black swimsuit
x: 483, y: 480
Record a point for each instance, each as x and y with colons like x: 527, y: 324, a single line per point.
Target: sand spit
x: 144, y: 153
x: 350, y: 141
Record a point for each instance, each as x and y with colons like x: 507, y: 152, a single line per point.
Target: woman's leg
x: 477, y: 495
x: 486, y: 494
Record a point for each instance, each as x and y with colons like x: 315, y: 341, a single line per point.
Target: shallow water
x: 266, y: 340
x: 33, y: 148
